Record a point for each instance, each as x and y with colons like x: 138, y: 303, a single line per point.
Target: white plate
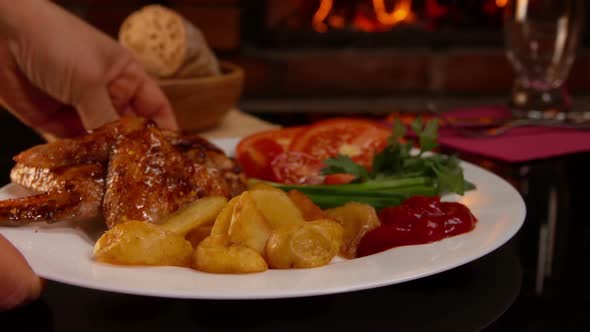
x: 63, y: 253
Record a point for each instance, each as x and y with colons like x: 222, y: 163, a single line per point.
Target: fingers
x: 18, y: 283
x: 100, y: 86
x: 133, y: 91
x: 61, y: 121
x: 96, y: 109
x: 151, y: 103
x: 57, y: 120
x: 30, y: 105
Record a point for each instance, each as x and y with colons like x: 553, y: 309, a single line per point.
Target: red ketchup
x: 417, y: 220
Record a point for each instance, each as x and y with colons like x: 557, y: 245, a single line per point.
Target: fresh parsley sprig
x: 401, y: 159
x: 344, y: 164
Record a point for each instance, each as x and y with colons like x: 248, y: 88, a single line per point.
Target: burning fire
x: 380, y: 19
x: 383, y: 15
x: 402, y: 12
x: 501, y: 3
x: 320, y: 16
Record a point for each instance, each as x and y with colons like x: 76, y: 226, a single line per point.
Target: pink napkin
x: 518, y: 144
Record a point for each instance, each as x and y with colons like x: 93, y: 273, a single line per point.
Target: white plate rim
x: 288, y: 286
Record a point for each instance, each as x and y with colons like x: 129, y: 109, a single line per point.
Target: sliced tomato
x: 255, y: 152
x: 297, y: 168
x: 341, y: 178
x: 357, y: 138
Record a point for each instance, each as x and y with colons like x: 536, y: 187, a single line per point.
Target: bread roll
x: 166, y: 44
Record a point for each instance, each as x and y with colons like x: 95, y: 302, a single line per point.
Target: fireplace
x: 376, y: 23
x: 314, y: 56
x: 379, y: 55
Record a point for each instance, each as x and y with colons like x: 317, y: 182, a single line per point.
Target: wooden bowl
x: 202, y: 103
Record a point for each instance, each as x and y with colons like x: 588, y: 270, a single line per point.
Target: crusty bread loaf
x: 166, y: 44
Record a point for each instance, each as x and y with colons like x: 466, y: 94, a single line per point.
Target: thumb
x: 96, y: 108
x: 18, y: 282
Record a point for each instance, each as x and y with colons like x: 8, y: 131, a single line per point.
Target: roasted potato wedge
x: 215, y: 255
x: 263, y: 228
x: 199, y: 234
x: 142, y: 243
x: 277, y: 208
x: 248, y: 226
x: 312, y: 244
x: 356, y: 219
x: 308, y: 209
x: 223, y: 220
x: 203, y: 211
x: 316, y: 243
x: 278, y: 250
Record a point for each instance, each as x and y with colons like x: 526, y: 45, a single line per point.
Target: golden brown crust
x: 149, y: 174
x: 93, y: 147
x: 74, y: 193
x: 148, y: 179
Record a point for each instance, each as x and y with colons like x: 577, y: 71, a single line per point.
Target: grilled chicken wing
x: 93, y: 147
x: 148, y: 179
x: 70, y: 193
x: 201, y: 151
x: 128, y: 169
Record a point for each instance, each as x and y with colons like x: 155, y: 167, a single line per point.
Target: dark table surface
x: 535, y: 282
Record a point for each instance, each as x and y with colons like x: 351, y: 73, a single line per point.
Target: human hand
x: 18, y: 283
x: 61, y: 76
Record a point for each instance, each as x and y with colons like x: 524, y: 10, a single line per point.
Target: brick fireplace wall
x: 312, y: 74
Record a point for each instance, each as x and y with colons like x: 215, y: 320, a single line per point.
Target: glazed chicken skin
x: 94, y: 147
x: 68, y: 193
x: 126, y: 170
x: 148, y: 179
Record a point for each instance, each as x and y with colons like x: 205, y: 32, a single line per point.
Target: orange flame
x: 402, y: 12
x: 320, y: 15
x: 501, y: 3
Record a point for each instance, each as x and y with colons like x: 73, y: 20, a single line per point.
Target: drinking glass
x: 542, y: 38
